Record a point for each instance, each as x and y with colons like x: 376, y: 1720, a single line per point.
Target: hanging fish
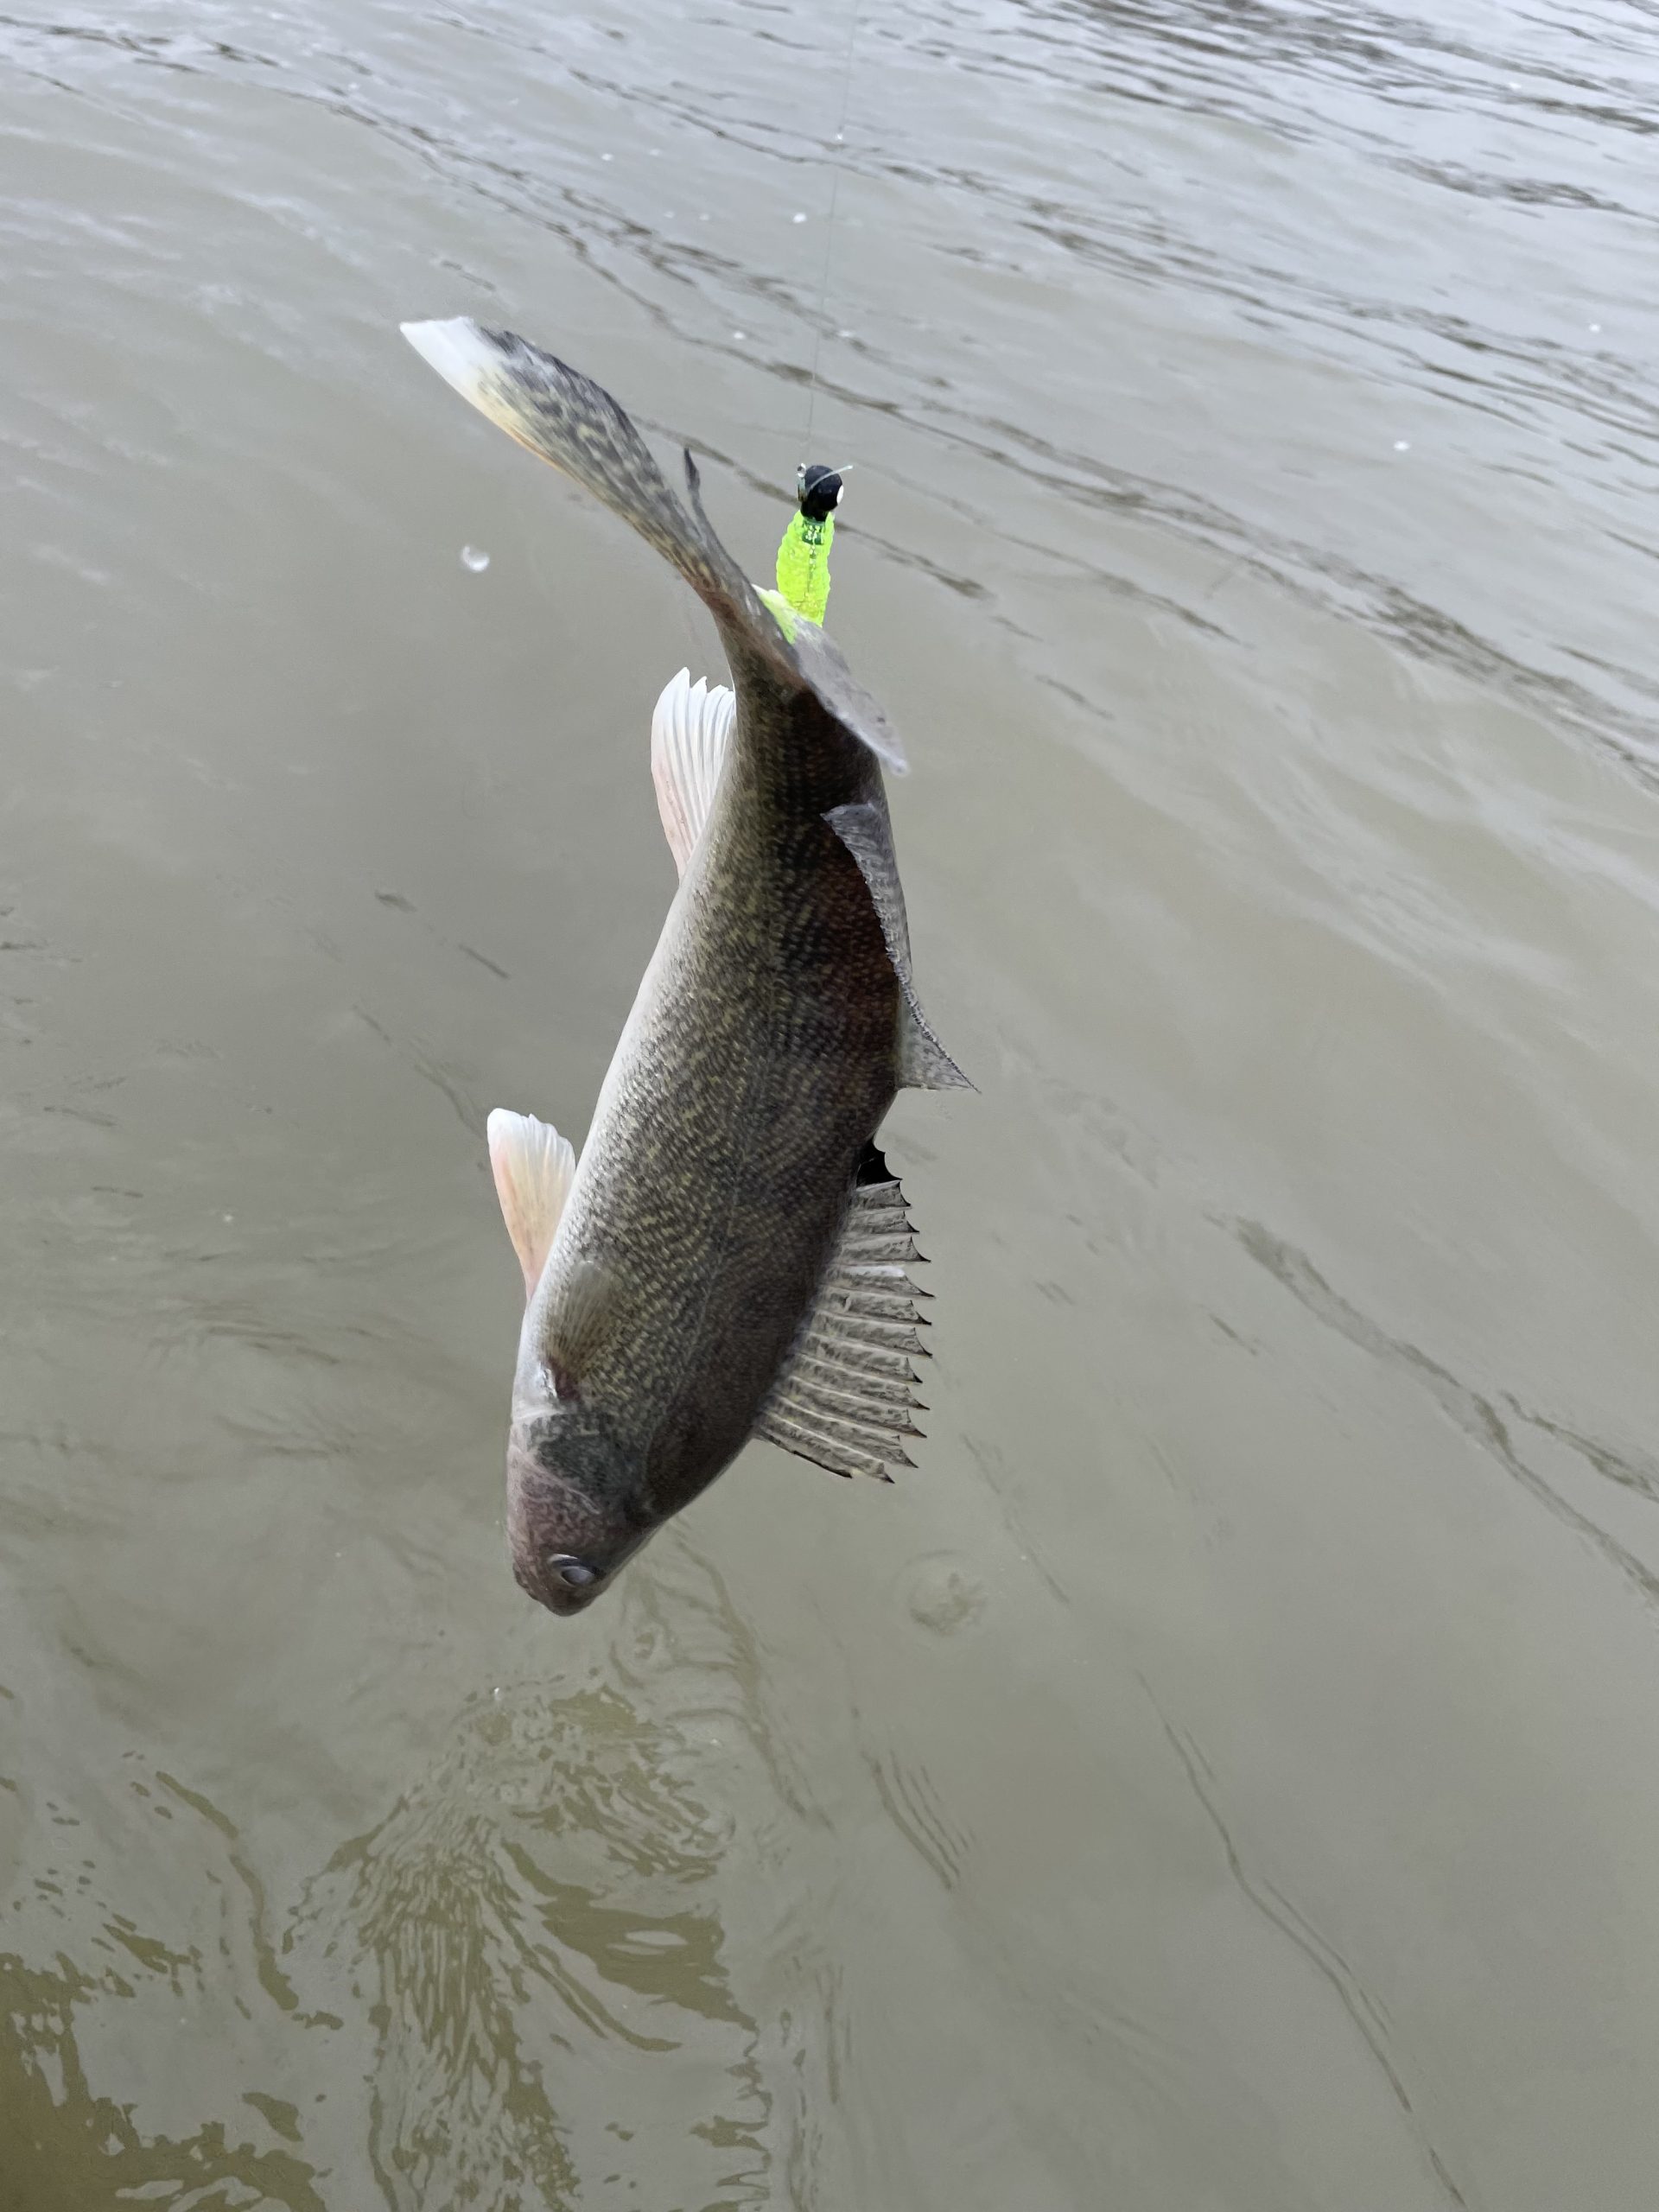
x: 728, y: 1258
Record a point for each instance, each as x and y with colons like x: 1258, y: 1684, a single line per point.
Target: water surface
x: 1224, y: 1778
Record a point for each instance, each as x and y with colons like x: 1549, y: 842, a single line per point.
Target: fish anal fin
x: 863, y: 829
x: 533, y: 1166
x: 690, y: 730
x: 846, y: 1397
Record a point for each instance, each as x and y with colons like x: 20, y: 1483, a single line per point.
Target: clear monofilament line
x: 836, y: 154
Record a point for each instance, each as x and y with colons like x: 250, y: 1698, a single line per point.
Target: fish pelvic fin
x: 846, y: 1396
x: 690, y: 730
x: 534, y: 1167
x: 864, y: 830
x: 563, y: 417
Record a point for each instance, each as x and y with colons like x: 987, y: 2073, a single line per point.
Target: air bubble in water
x: 475, y: 558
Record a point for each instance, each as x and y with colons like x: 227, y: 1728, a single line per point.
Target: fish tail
x: 563, y: 416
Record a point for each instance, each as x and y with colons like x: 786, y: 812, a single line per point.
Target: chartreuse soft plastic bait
x: 803, y: 554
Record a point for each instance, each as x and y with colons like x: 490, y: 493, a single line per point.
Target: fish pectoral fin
x: 534, y: 1168
x: 584, y: 1313
x: 924, y: 1064
x: 845, y: 1397
x: 691, y: 730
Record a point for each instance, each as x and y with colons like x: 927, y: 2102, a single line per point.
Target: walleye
x: 728, y: 1258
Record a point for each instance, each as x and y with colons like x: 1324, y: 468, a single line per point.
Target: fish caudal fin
x: 534, y: 1168
x: 690, y: 728
x: 565, y: 418
x: 846, y: 1396
x: 924, y: 1064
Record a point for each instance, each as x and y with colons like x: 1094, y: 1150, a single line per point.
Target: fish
x: 730, y: 1258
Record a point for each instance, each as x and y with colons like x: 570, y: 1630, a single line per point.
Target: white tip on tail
x: 458, y: 350
x: 534, y: 1168
x: 566, y: 419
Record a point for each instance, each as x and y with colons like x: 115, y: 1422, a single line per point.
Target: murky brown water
x: 1225, y: 1777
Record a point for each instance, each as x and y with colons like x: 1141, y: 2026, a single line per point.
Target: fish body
x: 706, y: 1272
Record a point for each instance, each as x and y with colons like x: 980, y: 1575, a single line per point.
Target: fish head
x: 573, y: 1506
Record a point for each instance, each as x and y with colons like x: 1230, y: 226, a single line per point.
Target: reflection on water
x: 531, y: 1929
x: 523, y: 1962
x: 1223, y: 1773
x: 66, y: 2144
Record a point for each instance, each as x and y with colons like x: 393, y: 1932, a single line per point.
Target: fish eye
x: 574, y: 1571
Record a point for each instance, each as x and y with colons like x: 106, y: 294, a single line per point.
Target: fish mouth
x: 564, y: 1582
x: 567, y: 1585
x: 561, y: 1581
x: 567, y: 1546
x: 557, y: 1581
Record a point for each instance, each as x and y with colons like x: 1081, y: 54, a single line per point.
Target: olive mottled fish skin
x: 761, y: 1054
x: 759, y: 1058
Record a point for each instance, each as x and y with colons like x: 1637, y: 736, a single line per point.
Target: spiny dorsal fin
x: 533, y: 1167
x: 690, y: 727
x: 924, y: 1064
x: 846, y: 1396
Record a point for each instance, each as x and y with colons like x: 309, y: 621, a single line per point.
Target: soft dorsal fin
x: 690, y: 727
x: 845, y: 1396
x: 534, y: 1168
x: 924, y: 1064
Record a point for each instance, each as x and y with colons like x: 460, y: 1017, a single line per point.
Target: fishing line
x: 830, y: 222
